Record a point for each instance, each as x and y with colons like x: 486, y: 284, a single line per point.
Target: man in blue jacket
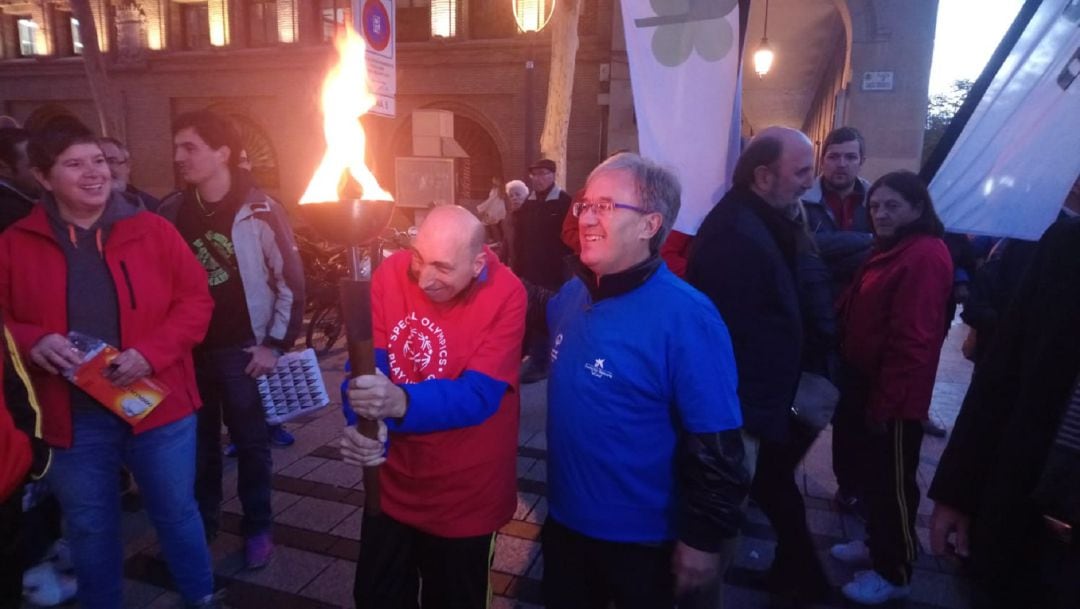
x: 646, y: 474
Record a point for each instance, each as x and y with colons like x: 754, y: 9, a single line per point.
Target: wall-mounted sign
x: 374, y: 19
x: 877, y: 81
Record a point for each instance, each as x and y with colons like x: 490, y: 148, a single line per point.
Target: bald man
x: 448, y: 320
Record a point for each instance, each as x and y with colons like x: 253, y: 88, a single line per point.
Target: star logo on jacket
x: 597, y: 369
x: 417, y: 349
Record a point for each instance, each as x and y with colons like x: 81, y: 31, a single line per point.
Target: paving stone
x: 514, y: 555
x: 525, y: 503
x: 537, y: 472
x: 138, y: 594
x: 350, y: 527
x: 279, y: 502
x: 939, y: 589
x: 337, y: 473
x: 539, y: 512
x: 536, y: 571
x: 754, y: 553
x: 290, y: 570
x: 302, y: 467
x: 333, y: 585
x: 315, y: 514
x: 227, y: 554
x: 169, y: 600
x: 524, y: 464
x: 824, y: 522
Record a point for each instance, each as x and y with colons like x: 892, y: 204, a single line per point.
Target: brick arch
x: 260, y: 148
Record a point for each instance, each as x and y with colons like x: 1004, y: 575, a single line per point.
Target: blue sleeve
x: 443, y: 404
x: 704, y: 374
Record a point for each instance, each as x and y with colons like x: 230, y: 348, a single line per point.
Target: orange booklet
x: 130, y: 402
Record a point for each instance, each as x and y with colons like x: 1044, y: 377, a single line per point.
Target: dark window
x: 262, y: 23
x: 336, y: 16
x: 195, y: 26
x: 413, y: 20
x: 491, y: 19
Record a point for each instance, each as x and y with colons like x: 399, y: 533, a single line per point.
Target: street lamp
x: 763, y: 57
x: 531, y: 17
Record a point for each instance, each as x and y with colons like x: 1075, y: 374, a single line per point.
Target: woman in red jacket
x: 89, y: 260
x: 891, y: 335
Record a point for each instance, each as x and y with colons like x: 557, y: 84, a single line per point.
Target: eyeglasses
x: 115, y: 160
x: 603, y: 207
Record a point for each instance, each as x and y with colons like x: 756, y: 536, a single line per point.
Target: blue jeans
x: 86, y: 480
x: 229, y: 393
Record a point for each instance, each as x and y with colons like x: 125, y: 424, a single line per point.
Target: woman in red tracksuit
x: 891, y: 320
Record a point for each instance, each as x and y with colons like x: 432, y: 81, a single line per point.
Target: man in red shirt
x: 448, y: 320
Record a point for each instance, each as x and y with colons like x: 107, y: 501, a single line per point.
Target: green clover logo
x: 683, y: 26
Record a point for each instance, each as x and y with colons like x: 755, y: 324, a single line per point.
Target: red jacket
x: 163, y: 299
x: 893, y: 318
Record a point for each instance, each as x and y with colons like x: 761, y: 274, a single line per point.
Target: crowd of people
x: 678, y: 389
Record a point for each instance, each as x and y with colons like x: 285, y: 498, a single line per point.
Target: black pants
x: 847, y: 426
x: 228, y: 392
x: 891, y: 454
x: 581, y: 572
x: 25, y: 538
x: 395, y: 558
x: 774, y: 489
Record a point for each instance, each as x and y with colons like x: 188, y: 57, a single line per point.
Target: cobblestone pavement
x: 317, y: 507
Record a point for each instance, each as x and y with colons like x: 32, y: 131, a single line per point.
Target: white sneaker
x: 870, y: 588
x: 44, y: 587
x: 852, y: 553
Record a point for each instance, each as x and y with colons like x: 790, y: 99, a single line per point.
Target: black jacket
x: 538, y: 248
x: 744, y: 259
x: 1010, y: 416
x: 14, y: 205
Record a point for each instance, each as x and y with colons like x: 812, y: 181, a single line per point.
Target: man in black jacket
x: 18, y: 188
x: 1024, y: 549
x: 745, y: 259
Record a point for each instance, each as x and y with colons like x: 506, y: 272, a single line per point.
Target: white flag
x: 1013, y: 164
x: 684, y: 72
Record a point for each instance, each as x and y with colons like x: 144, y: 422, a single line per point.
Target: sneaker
x: 258, y: 550
x: 852, y: 553
x: 280, y: 437
x: 230, y: 450
x: 45, y: 587
x: 870, y: 588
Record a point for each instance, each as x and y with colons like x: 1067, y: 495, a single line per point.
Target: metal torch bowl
x: 348, y: 222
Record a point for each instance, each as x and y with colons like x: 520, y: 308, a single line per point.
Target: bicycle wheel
x: 324, y: 329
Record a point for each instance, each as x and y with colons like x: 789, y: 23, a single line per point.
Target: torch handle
x: 356, y: 312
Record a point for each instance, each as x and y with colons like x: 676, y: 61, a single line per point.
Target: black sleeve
x: 713, y: 487
x: 536, y: 308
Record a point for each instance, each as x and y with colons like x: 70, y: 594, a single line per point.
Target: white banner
x: 1019, y: 154
x: 684, y: 72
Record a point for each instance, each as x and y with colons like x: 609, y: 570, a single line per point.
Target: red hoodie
x: 893, y: 318
x: 163, y: 299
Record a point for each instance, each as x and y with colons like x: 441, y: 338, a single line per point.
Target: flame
x: 345, y: 98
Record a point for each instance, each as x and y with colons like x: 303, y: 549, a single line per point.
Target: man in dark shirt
x: 244, y: 241
x: 539, y: 251
x: 18, y: 188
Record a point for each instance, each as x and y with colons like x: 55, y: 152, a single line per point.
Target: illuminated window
x: 262, y: 23
x: 444, y: 16
x: 76, y: 37
x: 336, y: 16
x: 27, y: 37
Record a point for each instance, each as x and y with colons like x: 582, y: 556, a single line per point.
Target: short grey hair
x: 516, y: 185
x: 658, y: 189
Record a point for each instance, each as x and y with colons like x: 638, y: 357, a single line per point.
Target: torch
x: 347, y: 220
